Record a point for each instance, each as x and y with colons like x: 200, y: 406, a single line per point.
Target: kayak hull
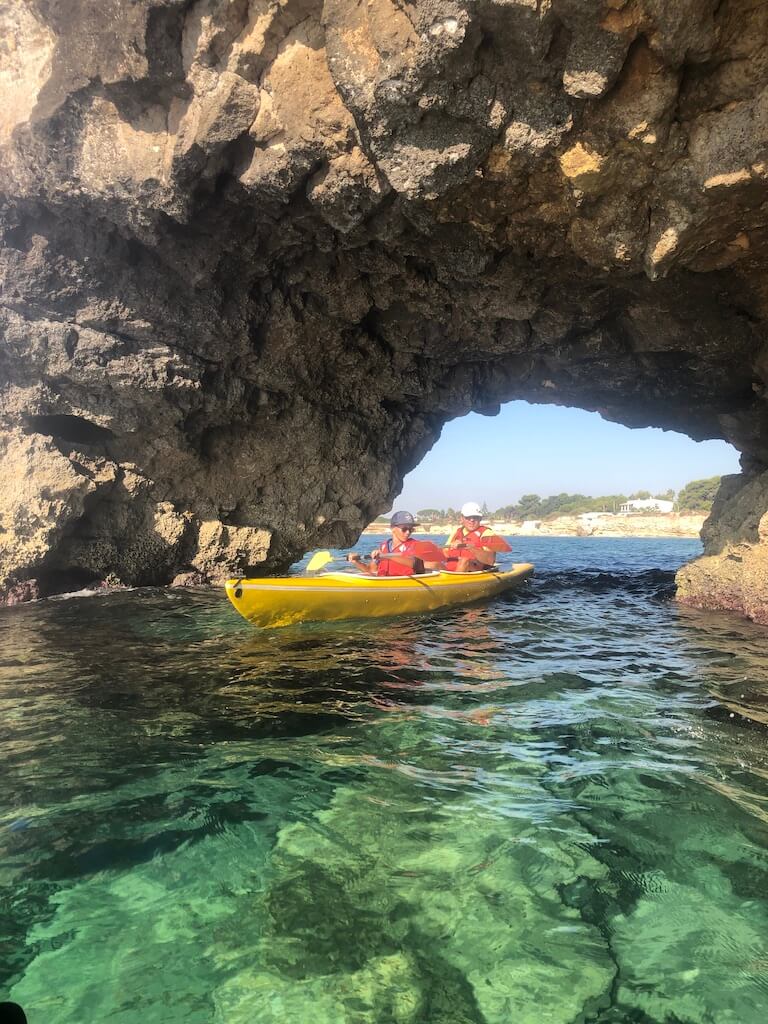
x: 334, y: 596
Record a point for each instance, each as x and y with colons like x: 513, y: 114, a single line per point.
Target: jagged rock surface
x: 733, y: 574
x: 257, y: 253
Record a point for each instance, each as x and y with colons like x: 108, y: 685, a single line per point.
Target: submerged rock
x: 385, y: 989
x: 256, y: 255
x: 447, y: 893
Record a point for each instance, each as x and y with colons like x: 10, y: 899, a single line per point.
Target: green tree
x: 698, y: 495
x: 428, y: 515
x: 529, y: 507
x: 533, y: 506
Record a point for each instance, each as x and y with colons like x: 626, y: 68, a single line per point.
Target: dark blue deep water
x: 551, y: 808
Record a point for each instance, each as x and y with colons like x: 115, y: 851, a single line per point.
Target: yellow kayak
x: 329, y: 596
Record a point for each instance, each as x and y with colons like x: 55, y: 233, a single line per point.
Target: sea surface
x: 551, y: 808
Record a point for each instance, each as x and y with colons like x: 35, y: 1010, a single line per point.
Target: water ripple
x: 553, y: 806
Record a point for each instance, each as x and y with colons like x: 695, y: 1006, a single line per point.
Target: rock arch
x: 261, y: 251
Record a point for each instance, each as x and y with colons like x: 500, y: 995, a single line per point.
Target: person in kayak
x: 472, y: 547
x: 401, y: 555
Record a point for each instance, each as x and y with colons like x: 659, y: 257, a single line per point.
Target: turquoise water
x: 548, y: 809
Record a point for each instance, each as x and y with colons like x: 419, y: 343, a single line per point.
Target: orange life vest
x: 463, y: 539
x: 388, y: 567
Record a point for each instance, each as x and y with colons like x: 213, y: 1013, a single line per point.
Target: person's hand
x: 375, y: 554
x: 353, y: 557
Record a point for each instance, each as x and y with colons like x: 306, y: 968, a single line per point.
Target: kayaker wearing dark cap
x: 472, y: 547
x: 401, y: 555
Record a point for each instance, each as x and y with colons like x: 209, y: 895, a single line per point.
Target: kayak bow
x: 330, y: 596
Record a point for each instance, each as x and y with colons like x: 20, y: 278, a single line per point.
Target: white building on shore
x: 646, y: 505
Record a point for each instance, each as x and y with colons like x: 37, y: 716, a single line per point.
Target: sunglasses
x: 405, y: 529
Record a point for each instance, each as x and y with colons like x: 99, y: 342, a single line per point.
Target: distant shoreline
x: 666, y: 525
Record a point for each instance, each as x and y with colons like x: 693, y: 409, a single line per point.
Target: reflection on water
x: 548, y: 808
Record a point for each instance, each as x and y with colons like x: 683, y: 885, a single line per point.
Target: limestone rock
x: 462, y: 891
x: 188, y: 579
x: 733, y: 574
x: 256, y: 254
x: 42, y: 493
x: 221, y: 549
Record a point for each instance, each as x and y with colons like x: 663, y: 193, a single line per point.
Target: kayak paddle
x: 427, y: 551
x: 424, y: 549
x: 318, y: 560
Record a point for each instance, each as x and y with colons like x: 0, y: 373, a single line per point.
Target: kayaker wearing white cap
x: 472, y: 547
x: 401, y: 555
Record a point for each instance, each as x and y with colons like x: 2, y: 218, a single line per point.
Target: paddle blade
x: 495, y: 543
x: 427, y: 551
x: 318, y: 560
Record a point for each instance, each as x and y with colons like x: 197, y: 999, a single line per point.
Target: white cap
x: 471, y: 508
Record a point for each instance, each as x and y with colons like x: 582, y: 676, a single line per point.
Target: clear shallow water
x: 547, y: 809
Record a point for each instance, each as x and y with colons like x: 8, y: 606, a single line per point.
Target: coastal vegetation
x: 698, y: 495
x: 695, y: 497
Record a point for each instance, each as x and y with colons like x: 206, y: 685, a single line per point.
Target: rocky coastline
x: 573, y: 526
x: 733, y: 572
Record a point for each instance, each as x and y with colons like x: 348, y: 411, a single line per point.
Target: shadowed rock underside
x: 257, y: 253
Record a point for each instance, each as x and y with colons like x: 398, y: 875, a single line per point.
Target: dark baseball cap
x: 403, y: 519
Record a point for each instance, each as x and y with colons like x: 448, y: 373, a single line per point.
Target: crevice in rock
x: 70, y: 342
x: 165, y: 26
x: 65, y: 581
x: 559, y: 44
x: 75, y: 429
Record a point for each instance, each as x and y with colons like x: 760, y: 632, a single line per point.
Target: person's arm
x: 452, y: 541
x: 372, y: 567
x: 492, y: 545
x: 407, y: 560
x: 483, y: 555
x: 357, y: 560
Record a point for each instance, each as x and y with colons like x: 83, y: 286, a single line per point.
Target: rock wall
x: 257, y: 253
x: 733, y: 574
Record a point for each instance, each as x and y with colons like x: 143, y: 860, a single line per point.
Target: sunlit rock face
x: 257, y: 253
x: 733, y: 574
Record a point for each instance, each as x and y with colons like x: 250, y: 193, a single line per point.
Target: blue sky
x: 546, y: 449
